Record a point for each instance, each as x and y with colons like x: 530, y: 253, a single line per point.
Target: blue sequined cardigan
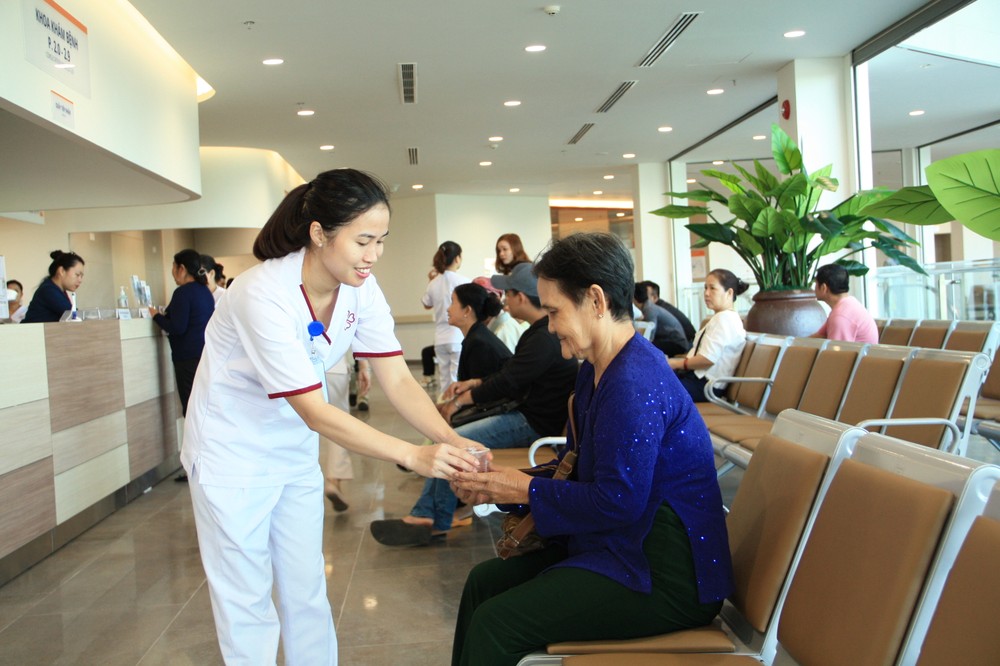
x: 642, y: 443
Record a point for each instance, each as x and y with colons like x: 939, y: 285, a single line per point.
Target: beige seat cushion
x: 751, y: 428
x: 929, y: 337
x: 917, y: 400
x: 630, y: 659
x: 871, y: 389
x: 896, y: 335
x: 700, y: 639
x: 791, y: 378
x: 971, y: 341
x: 828, y: 380
x: 963, y: 630
x: 987, y: 409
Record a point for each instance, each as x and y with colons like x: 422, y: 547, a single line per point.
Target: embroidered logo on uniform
x: 350, y: 320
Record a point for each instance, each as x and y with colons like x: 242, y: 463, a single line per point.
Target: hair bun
x: 55, y: 254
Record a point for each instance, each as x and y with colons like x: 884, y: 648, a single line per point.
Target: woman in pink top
x: 848, y: 319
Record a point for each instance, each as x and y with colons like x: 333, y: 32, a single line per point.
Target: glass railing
x: 951, y: 290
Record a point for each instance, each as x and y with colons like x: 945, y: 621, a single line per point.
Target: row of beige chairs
x: 848, y: 548
x: 983, y: 336
x: 913, y: 394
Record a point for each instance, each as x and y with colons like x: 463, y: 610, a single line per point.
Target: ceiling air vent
x: 668, y: 38
x: 579, y: 135
x: 414, y: 158
x: 408, y: 82
x: 615, y: 96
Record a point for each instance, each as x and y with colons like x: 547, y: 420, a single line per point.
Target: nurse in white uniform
x: 250, y: 440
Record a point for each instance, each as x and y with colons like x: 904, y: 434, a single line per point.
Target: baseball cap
x: 520, y: 279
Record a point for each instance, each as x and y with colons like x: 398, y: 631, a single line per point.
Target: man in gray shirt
x: 669, y: 335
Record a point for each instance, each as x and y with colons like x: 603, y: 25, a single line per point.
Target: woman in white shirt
x: 250, y: 440
x: 718, y: 345
x: 447, y: 338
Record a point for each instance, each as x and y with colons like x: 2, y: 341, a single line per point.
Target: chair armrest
x: 710, y: 386
x: 544, y: 441
x: 956, y: 434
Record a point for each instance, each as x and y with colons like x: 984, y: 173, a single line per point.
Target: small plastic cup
x: 480, y: 454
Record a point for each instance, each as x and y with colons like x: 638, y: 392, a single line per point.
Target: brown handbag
x: 519, y: 535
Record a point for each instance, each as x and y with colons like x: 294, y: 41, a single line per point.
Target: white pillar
x: 653, y: 242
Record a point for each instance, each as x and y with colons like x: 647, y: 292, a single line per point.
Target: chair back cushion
x: 991, y: 389
x: 827, y: 382
x: 733, y: 390
x: 929, y: 390
x: 765, y: 524
x: 929, y: 337
x: 761, y: 364
x: 970, y: 341
x: 896, y: 334
x: 871, y: 390
x: 791, y: 378
x: 863, y: 567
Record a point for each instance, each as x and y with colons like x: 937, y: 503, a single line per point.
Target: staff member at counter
x: 52, y: 298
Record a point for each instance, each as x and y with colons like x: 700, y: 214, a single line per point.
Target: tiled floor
x: 132, y: 591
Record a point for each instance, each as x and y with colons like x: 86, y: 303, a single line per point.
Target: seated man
x: 848, y: 319
x: 669, y: 336
x: 654, y: 295
x: 536, y: 373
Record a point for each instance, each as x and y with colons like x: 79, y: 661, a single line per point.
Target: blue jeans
x: 503, y: 431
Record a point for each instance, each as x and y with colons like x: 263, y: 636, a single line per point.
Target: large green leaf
x: 768, y: 223
x: 900, y: 257
x: 749, y: 177
x: 853, y: 205
x: 767, y: 179
x: 677, y: 212
x: 968, y: 186
x: 697, y: 195
x: 916, y: 205
x: 744, y: 207
x: 786, y: 154
x: 893, y: 230
x: 749, y: 242
x: 716, y: 233
x: 789, y: 192
x: 855, y: 268
x: 732, y: 182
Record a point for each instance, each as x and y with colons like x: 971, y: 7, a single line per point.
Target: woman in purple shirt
x: 637, y: 541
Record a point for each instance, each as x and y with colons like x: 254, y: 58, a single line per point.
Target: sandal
x: 337, y: 501
x: 400, y: 533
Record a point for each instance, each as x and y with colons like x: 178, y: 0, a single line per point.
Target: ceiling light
x: 619, y: 214
x: 665, y: 128
x: 759, y: 137
x: 326, y: 147
x: 512, y: 102
x: 535, y: 48
x: 717, y: 162
x: 598, y: 192
x: 792, y: 34
x: 578, y: 219
x: 715, y: 91
x: 417, y: 187
x: 495, y: 138
x: 486, y: 164
x: 917, y: 112
x: 305, y: 112
x: 64, y: 65
x: 273, y: 61
x: 628, y: 156
x: 514, y: 190
x: 609, y: 177
x: 691, y: 180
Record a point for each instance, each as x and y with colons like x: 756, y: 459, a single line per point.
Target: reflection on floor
x: 132, y: 590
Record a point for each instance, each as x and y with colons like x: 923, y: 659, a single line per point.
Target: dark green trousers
x: 510, y: 608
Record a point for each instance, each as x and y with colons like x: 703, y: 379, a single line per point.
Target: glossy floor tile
x: 132, y: 591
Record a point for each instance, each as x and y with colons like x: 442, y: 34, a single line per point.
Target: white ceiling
x: 341, y: 60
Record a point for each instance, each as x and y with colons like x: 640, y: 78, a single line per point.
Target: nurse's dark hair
x: 63, y: 260
x: 191, y: 261
x: 484, y: 304
x: 577, y: 262
x: 446, y: 255
x: 333, y: 198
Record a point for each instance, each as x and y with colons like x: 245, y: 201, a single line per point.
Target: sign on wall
x: 56, y: 42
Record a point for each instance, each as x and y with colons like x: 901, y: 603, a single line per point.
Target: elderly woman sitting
x: 636, y: 537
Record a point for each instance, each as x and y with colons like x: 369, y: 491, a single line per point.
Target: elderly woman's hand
x: 501, y: 485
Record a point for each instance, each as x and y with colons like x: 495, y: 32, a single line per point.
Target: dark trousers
x: 695, y: 386
x: 427, y: 360
x: 510, y: 608
x: 184, y: 377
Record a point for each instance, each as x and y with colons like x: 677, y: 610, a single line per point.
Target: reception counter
x: 90, y: 420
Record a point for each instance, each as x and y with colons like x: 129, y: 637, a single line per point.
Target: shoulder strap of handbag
x: 527, y: 524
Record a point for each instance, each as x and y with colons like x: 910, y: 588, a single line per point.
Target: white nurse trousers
x: 253, y: 539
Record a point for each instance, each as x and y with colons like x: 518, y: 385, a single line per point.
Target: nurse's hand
x: 440, y: 461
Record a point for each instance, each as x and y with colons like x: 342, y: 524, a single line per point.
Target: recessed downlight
x: 598, y: 192
x: 792, y: 34
x: 917, y: 112
x: 578, y: 219
x: 609, y: 177
x: 514, y: 190
x: 759, y: 137
x: 665, y: 128
x: 619, y: 214
x: 495, y: 139
x: 486, y: 164
x: 417, y: 186
x: 272, y: 61
x: 535, y: 48
x: 628, y: 156
x: 715, y: 91
x: 326, y: 147
x: 305, y: 112
x: 512, y: 102
x: 718, y: 162
x: 691, y: 180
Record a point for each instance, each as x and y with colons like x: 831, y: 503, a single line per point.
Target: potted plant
x: 777, y: 229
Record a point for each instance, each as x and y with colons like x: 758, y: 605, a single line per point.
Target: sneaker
x: 363, y: 403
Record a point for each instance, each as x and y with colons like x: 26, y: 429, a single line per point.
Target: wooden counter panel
x: 86, y: 484
x: 147, y: 369
x: 152, y: 433
x: 27, y: 505
x: 26, y: 436
x: 75, y: 446
x: 24, y: 376
x: 84, y: 372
